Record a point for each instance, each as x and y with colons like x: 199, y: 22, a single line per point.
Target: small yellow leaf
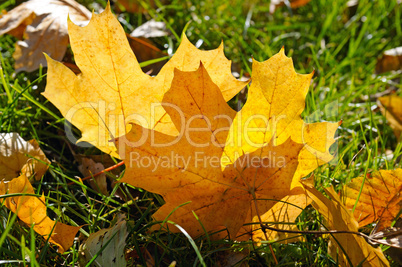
x: 352, y: 249
x: 32, y: 211
x: 380, y: 198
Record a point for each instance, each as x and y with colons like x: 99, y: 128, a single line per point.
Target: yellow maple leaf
x: 187, y: 167
x: 112, y: 90
x: 352, y: 249
x: 380, y: 197
x: 32, y: 211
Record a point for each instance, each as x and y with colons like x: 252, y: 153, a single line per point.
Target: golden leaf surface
x: 112, y: 90
x: 391, y: 108
x: 32, y: 211
x: 43, y: 25
x: 18, y: 156
x: 380, y: 197
x: 348, y: 249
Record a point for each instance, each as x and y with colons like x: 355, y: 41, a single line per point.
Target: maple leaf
x: 352, y: 249
x: 112, y: 90
x: 32, y: 211
x: 18, y: 156
x: 187, y: 167
x: 379, y: 199
x: 391, y: 108
x: 43, y: 25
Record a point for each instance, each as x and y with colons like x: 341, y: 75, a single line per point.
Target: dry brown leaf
x: 32, y: 211
x: 352, y: 249
x: 89, y: 167
x: 20, y: 157
x: 43, y: 25
x: 391, y: 108
x: 274, y: 4
x: 391, y: 60
x: 380, y: 198
x: 112, y: 90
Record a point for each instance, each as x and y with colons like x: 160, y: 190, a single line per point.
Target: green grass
x: 341, y: 44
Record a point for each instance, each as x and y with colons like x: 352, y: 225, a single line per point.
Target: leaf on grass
x: 112, y: 90
x: 352, y: 249
x: 391, y: 60
x: 380, y: 198
x: 108, y: 244
x: 18, y: 156
x: 32, y: 211
x: 391, y: 108
x: 43, y: 25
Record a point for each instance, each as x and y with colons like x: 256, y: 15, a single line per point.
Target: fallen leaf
x: 18, y: 156
x: 43, y: 25
x: 380, y: 197
x: 391, y: 108
x: 391, y: 60
x: 32, y: 211
x: 274, y: 4
x: 112, y: 90
x: 111, y: 241
x: 348, y: 249
x: 90, y: 167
